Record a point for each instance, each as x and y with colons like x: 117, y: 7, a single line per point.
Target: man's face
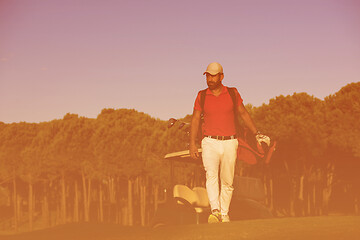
x: 214, y: 81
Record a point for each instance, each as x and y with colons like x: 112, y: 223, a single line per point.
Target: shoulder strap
x: 239, y: 129
x: 202, y: 99
x: 231, y: 91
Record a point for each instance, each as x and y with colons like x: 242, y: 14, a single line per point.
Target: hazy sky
x: 73, y: 56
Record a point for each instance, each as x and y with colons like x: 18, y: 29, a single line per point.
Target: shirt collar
x: 224, y: 90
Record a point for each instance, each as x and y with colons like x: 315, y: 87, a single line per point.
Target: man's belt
x: 221, y: 137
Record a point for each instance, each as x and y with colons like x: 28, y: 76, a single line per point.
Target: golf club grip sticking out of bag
x: 185, y: 126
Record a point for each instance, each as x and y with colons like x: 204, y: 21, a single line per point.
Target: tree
x: 343, y: 120
x: 297, y: 123
x: 15, y: 138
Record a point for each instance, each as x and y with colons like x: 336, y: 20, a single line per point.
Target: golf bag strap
x: 232, y: 93
x: 202, y: 99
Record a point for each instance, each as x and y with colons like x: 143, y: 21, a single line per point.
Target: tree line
x: 111, y: 169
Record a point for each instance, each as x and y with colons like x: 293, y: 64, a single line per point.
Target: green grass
x: 307, y: 228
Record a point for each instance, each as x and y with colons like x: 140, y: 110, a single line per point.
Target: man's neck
x: 217, y: 91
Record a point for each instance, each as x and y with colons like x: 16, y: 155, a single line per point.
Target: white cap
x: 214, y: 68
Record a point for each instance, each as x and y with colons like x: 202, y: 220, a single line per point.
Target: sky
x: 69, y: 56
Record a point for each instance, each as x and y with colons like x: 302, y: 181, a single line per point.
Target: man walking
x: 219, y: 145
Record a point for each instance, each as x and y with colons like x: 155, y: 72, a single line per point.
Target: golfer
x: 219, y: 145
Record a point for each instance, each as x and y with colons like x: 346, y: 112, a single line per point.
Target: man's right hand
x: 195, y: 122
x: 194, y: 154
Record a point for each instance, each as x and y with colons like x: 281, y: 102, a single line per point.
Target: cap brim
x: 211, y: 73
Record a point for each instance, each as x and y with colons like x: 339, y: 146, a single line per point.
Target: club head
x: 171, y: 122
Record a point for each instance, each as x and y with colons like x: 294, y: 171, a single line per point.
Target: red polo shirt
x: 218, y: 112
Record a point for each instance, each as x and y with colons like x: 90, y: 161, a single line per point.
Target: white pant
x: 215, y: 154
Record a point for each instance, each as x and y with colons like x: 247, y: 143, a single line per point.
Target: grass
x: 306, y: 228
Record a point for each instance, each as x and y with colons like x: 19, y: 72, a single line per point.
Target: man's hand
x: 194, y: 127
x: 262, y: 138
x: 194, y: 154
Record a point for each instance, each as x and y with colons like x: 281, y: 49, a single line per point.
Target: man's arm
x: 195, y: 122
x: 250, y: 124
x: 246, y: 118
